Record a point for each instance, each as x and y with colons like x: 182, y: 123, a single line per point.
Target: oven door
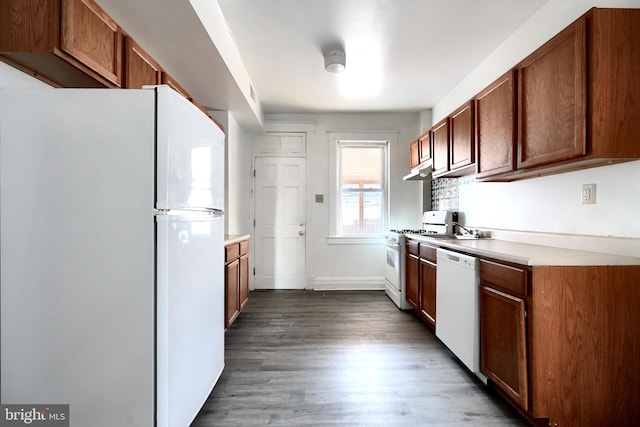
x: 392, y: 264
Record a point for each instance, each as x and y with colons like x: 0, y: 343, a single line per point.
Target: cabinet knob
x: 300, y: 233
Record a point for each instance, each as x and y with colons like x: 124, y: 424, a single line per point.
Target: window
x: 362, y: 188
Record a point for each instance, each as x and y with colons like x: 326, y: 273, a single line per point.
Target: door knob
x: 300, y: 233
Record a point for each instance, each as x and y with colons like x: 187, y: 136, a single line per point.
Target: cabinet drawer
x: 412, y: 247
x: 509, y: 278
x: 244, y: 247
x: 428, y: 252
x: 231, y: 252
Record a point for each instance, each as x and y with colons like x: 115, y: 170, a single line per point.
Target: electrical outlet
x: 588, y: 194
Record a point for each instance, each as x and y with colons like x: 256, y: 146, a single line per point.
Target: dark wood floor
x: 304, y: 358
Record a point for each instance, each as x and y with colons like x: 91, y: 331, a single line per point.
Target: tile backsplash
x: 444, y: 192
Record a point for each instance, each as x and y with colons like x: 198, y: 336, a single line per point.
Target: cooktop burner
x: 407, y: 231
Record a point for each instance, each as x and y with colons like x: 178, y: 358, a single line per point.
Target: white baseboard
x: 348, y: 283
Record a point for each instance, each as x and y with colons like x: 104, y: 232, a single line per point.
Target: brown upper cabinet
x: 69, y: 43
x: 576, y: 107
x: 453, y: 143
x: 569, y: 105
x: 496, y: 124
x: 166, y: 79
x: 440, y: 146
x: 414, y: 154
x: 424, y: 147
x: 552, y: 100
x: 140, y: 68
x: 92, y: 37
x: 462, y: 148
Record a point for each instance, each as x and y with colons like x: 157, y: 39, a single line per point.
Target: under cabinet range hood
x: 419, y: 173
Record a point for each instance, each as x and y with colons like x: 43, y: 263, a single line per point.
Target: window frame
x: 338, y: 140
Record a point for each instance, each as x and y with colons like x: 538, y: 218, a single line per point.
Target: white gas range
x: 435, y: 224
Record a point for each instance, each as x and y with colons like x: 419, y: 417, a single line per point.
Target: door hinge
x: 254, y: 173
x: 254, y: 271
x: 254, y: 223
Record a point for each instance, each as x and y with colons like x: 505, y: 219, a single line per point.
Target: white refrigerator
x: 112, y: 269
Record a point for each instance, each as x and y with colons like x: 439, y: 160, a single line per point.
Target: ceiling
x: 402, y: 55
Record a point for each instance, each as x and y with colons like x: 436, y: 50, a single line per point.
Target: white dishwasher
x: 458, y: 308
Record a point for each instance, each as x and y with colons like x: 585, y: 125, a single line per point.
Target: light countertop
x: 528, y: 254
x: 230, y: 239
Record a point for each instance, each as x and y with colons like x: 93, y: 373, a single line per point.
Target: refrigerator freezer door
x: 190, y: 151
x: 190, y: 314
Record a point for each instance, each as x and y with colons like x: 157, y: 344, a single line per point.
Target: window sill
x: 354, y: 240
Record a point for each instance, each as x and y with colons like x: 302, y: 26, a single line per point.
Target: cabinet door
x: 503, y: 343
x: 140, y: 68
x: 232, y: 277
x: 412, y: 280
x: 552, y: 100
x: 496, y: 127
x: 166, y: 79
x: 243, y: 281
x: 462, y: 148
x: 414, y: 154
x: 93, y: 38
x: 424, y: 147
x: 440, y: 136
x: 428, y: 291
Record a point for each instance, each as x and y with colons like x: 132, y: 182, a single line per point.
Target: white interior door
x: 280, y: 223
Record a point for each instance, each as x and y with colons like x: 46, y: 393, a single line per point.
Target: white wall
x: 238, y: 165
x: 552, y: 204
x: 341, y: 266
x: 549, y: 204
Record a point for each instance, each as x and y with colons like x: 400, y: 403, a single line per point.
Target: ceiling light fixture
x: 335, y: 61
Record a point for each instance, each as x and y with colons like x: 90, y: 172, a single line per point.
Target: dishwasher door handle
x: 452, y: 258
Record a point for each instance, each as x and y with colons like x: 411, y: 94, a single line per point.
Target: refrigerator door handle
x: 182, y: 212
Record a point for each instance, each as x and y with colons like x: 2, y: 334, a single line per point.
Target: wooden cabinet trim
x: 428, y: 252
x: 232, y: 252
x: 140, y: 68
x: 413, y: 247
x: 509, y: 278
x: 166, y: 79
x: 244, y: 247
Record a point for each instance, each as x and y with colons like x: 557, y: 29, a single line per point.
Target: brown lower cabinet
x: 561, y: 343
x: 236, y: 279
x: 503, y: 292
x: 421, y: 280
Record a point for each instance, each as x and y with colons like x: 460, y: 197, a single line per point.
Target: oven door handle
x: 392, y: 245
